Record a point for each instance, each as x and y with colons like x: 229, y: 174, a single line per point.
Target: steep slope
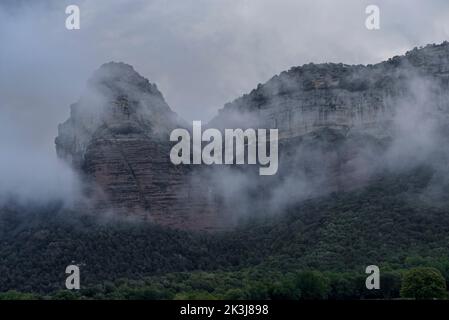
x: 117, y: 136
x: 340, y: 126
x: 339, y: 96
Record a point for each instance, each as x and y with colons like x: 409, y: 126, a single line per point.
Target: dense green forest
x: 318, y: 249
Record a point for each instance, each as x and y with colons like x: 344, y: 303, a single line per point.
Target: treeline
x: 253, y: 284
x: 398, y: 222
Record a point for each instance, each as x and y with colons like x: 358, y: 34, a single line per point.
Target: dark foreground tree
x: 423, y: 283
x: 312, y: 285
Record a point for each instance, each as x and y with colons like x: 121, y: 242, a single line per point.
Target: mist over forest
x: 361, y: 179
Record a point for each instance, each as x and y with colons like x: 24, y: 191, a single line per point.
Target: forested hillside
x: 397, y: 222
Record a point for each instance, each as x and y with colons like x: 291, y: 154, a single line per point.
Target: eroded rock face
x: 340, y: 96
x: 338, y: 126
x: 117, y: 136
x: 118, y: 101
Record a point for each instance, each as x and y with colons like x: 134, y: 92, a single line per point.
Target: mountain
x: 117, y: 137
x: 339, y: 127
x: 362, y: 180
x: 338, y: 96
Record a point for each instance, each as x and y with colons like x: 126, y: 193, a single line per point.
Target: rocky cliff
x: 338, y: 125
x: 117, y: 137
x: 338, y: 96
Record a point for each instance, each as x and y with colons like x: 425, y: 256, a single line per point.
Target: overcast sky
x: 200, y: 53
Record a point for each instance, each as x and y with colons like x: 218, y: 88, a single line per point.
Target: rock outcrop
x: 337, y: 121
x: 334, y: 120
x: 117, y: 137
x: 338, y: 96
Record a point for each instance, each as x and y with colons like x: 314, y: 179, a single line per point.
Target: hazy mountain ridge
x: 339, y: 127
x: 344, y: 197
x: 333, y: 95
x: 117, y: 137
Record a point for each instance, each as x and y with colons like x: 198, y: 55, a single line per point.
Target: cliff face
x: 117, y: 136
x: 338, y: 96
x: 341, y: 124
x: 338, y: 124
x: 118, y: 101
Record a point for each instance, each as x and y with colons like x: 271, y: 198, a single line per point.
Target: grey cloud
x: 200, y: 53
